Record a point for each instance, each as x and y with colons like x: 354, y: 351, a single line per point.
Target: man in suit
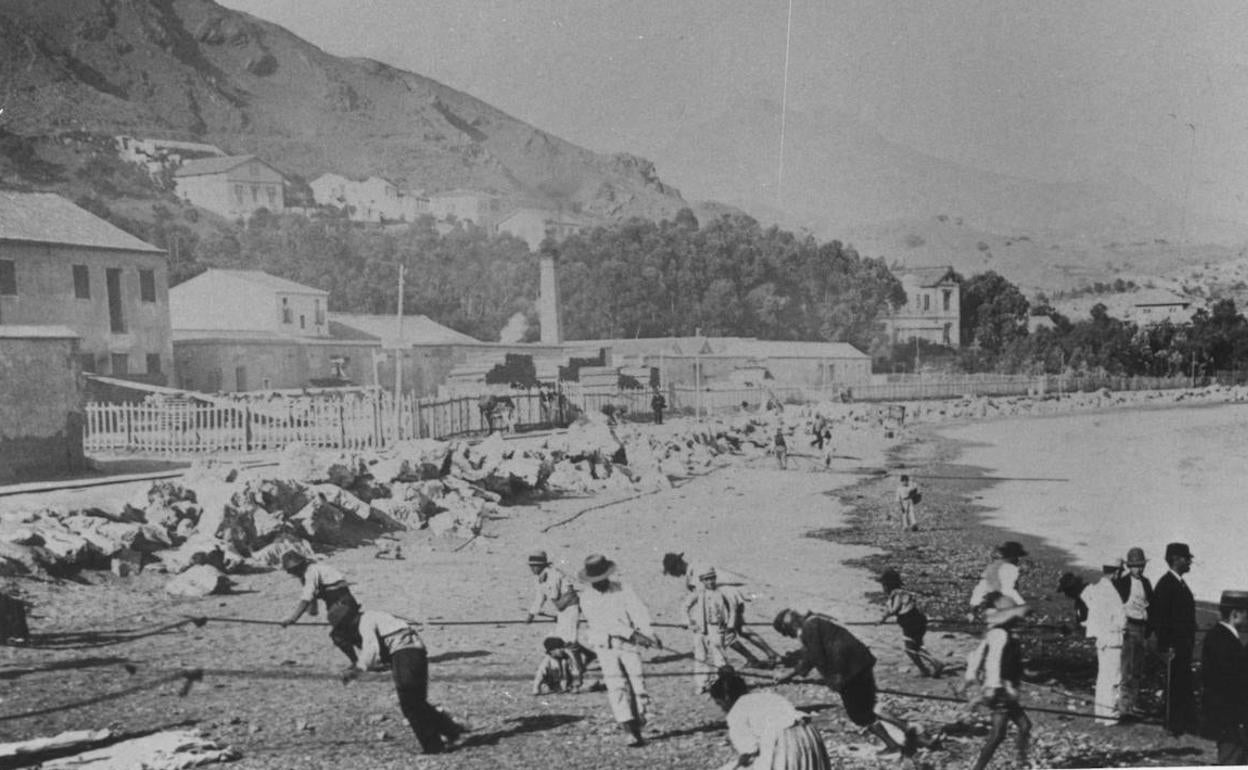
x: 848, y: 667
x: 1137, y: 596
x: 1172, y: 614
x: 1224, y: 674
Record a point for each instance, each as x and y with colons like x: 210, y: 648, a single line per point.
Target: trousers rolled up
x: 710, y: 654
x: 1108, y: 696
x: 410, y: 668
x: 621, y: 673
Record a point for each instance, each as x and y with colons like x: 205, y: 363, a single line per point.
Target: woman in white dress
x: 767, y: 732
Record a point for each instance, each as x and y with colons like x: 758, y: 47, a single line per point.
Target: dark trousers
x: 1180, y: 697
x: 343, y: 636
x: 1134, y: 650
x: 658, y: 416
x: 12, y: 619
x: 411, y: 681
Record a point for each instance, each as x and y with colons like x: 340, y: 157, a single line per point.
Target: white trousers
x: 709, y: 655
x: 1108, y: 682
x: 565, y: 623
x: 626, y: 690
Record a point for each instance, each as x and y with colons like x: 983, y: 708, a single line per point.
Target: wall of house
x: 238, y: 193
x: 791, y: 372
x: 226, y: 303
x: 46, y: 296
x: 41, y: 409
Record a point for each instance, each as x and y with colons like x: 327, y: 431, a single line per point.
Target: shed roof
x: 49, y: 218
x: 417, y: 329
x: 261, y: 278
x: 203, y: 166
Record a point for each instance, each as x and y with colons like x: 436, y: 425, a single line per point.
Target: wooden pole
x: 398, y: 361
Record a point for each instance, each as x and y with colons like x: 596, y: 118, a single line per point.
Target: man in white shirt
x: 1001, y: 576
x: 557, y: 589
x: 383, y: 639
x: 1107, y: 619
x: 323, y: 582
x: 619, y: 626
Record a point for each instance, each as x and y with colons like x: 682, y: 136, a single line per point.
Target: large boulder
x: 197, y: 582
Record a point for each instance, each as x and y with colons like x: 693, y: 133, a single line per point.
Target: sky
x: 1055, y: 91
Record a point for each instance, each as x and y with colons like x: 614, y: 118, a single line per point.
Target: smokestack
x: 548, y: 302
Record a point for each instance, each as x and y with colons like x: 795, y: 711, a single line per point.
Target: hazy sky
x: 1052, y: 90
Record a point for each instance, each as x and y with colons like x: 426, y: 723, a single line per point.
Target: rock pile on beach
x: 220, y: 518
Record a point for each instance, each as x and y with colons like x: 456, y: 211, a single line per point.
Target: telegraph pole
x: 398, y: 361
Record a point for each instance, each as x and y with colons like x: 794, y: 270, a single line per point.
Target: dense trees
x: 729, y: 277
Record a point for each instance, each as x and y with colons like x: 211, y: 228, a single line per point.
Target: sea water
x: 1117, y: 479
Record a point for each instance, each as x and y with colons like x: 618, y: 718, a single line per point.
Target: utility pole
x: 697, y: 377
x: 398, y: 361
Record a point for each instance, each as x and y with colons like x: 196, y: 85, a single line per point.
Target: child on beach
x: 903, y: 605
x: 907, y: 499
x: 555, y: 673
x: 996, y: 665
x: 780, y: 447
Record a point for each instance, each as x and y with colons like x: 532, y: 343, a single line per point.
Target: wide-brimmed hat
x: 1069, y: 582
x: 1012, y: 548
x: 890, y: 579
x: 293, y: 560
x: 1003, y: 610
x: 674, y: 564
x: 706, y: 572
x: 341, y: 613
x: 1234, y: 600
x: 1135, y: 557
x: 538, y: 559
x: 597, y: 567
x: 1175, y: 550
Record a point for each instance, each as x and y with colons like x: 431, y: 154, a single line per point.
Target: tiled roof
x: 417, y: 329
x: 926, y: 276
x: 49, y: 218
x: 202, y: 166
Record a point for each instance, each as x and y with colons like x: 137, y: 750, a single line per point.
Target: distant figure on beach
x: 657, y: 404
x: 1136, y: 592
x: 996, y: 666
x: 908, y: 497
x: 765, y: 729
x: 711, y: 611
x: 675, y: 565
x: 781, y: 447
x: 1173, y: 615
x: 848, y: 667
x: 904, y: 606
x: 1224, y: 674
x: 1001, y: 576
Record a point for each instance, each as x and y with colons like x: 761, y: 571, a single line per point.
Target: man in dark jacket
x: 1172, y: 614
x: 1224, y: 674
x: 1137, y: 596
x: 847, y: 666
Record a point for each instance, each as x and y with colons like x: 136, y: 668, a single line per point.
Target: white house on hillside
x: 465, y: 205
x: 234, y: 186
x: 373, y: 200
x: 933, y: 309
x: 248, y: 301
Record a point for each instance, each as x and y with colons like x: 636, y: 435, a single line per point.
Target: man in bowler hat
x: 1136, y: 592
x: 1224, y: 674
x: 1173, y: 615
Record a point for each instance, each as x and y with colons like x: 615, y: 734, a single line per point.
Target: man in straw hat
x: 848, y: 667
x: 1136, y: 592
x: 386, y: 640
x: 323, y: 582
x: 1224, y: 674
x: 619, y: 626
x: 1173, y: 615
x: 999, y: 577
x: 710, y: 611
x: 997, y: 666
x: 557, y: 588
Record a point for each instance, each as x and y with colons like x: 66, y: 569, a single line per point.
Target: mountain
x: 843, y: 179
x: 191, y: 69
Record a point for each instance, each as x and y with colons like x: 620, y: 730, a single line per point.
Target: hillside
x: 192, y: 69
x: 843, y: 179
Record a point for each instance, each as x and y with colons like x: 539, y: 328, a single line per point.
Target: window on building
x: 82, y: 282
x: 303, y: 324
x: 927, y: 302
x: 153, y: 363
x: 240, y: 378
x: 8, y: 277
x: 87, y: 362
x: 116, y: 313
x: 119, y: 364
x: 320, y: 314
x: 272, y: 191
x: 147, y: 285
x: 255, y: 193
x: 238, y: 193
x: 947, y: 296
x: 947, y: 335
x: 287, y: 315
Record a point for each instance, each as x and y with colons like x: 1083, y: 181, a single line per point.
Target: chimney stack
x: 548, y: 301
